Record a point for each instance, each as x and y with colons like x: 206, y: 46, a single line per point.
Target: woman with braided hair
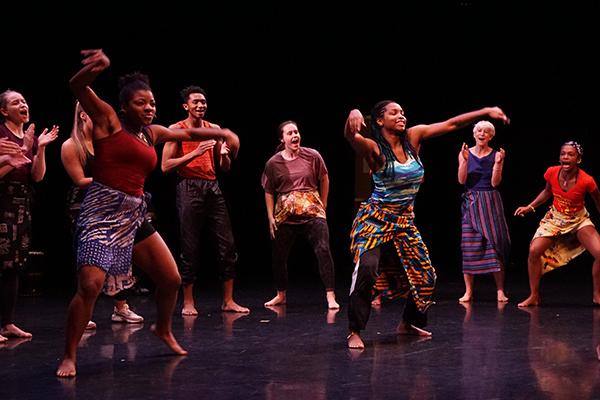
x: 384, y: 225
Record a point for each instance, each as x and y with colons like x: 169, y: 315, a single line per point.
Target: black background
x: 265, y: 62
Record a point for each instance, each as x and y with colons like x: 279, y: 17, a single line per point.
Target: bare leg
x: 91, y: 280
x: 278, y: 300
x: 331, y: 303
x: 355, y: 341
x: 590, y: 239
x: 534, y: 269
x: 153, y: 256
x: 468, y: 296
x: 500, y: 295
x: 189, y: 306
x: 228, y: 303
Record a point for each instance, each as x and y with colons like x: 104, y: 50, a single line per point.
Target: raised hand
x: 355, y: 121
x: 47, y: 137
x: 28, y: 138
x: 497, y: 113
x: 96, y: 59
x: 499, y: 156
x: 464, y: 151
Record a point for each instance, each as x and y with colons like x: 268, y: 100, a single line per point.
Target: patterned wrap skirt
x: 485, y: 240
x: 106, y: 230
x: 376, y: 225
x: 563, y: 228
x: 15, y: 224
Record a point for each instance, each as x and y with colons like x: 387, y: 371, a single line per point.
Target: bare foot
x: 169, y: 340
x: 331, y: 303
x: 404, y: 328
x: 355, y: 341
x: 376, y: 301
x: 66, y: 368
x: 467, y: 297
x: 11, y: 330
x: 530, y: 301
x: 189, y: 309
x: 276, y: 301
x: 501, y: 297
x: 596, y: 299
x: 598, y: 351
x: 232, y: 306
x: 3, y: 339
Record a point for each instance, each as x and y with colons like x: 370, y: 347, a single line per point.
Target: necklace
x: 565, y: 179
x: 142, y: 137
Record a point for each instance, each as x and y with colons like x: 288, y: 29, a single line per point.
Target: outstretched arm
x: 363, y: 146
x: 103, y: 115
x: 419, y: 133
x: 538, y: 201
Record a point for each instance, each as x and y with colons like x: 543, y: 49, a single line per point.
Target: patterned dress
x: 387, y: 216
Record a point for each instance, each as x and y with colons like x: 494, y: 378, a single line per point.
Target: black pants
x: 361, y: 295
x: 201, y: 204
x: 316, y: 232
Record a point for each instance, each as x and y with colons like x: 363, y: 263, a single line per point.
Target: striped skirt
x: 106, y: 230
x: 485, y: 240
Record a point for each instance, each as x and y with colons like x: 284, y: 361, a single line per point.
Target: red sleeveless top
x: 122, y: 162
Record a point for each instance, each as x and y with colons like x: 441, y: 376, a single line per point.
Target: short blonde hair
x: 483, y: 125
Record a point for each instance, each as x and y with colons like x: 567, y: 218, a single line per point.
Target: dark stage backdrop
x: 264, y: 63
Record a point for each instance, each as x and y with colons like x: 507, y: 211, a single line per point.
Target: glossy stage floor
x: 478, y: 351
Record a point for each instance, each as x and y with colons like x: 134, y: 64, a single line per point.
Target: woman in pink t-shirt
x: 566, y: 230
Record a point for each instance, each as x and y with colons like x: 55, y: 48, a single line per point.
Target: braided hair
x: 384, y: 146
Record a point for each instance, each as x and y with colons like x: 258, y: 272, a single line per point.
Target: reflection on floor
x: 479, y: 350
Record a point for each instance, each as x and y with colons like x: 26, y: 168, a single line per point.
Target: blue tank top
x: 399, y: 187
x: 479, y: 172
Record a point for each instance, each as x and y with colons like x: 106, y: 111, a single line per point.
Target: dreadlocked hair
x: 384, y: 146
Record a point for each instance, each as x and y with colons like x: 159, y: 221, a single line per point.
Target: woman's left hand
x: 47, y: 137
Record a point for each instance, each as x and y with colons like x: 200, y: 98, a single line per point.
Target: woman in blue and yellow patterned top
x: 384, y: 229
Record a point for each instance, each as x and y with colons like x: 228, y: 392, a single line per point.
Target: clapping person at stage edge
x: 22, y: 162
